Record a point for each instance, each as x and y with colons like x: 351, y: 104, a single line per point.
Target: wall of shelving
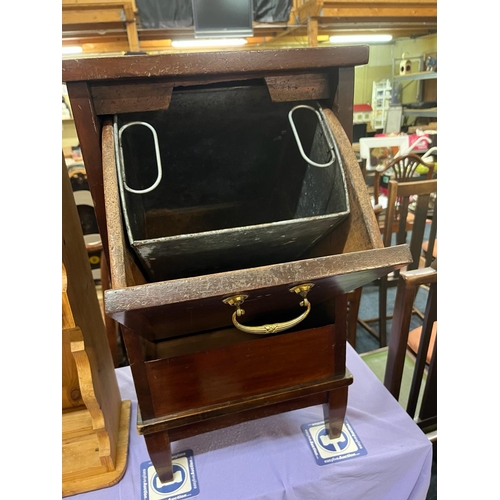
x: 380, y: 65
x: 416, y: 48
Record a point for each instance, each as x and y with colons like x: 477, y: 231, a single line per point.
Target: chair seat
x: 400, y: 226
x: 409, y: 223
x: 411, y: 381
x: 377, y: 361
x: 425, y: 246
x: 414, y: 341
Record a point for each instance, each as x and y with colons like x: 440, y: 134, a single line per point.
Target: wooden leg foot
x: 335, y: 411
x: 158, y: 445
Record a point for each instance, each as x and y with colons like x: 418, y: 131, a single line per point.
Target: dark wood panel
x: 177, y: 433
x: 201, y: 342
x: 234, y: 412
x: 128, y: 97
x: 343, y: 100
x: 305, y: 87
x: 231, y: 373
x: 338, y: 272
x: 211, y: 63
x: 88, y: 129
x: 181, y: 305
x: 136, y: 347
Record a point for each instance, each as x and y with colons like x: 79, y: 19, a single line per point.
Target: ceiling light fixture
x: 72, y: 50
x: 210, y: 42
x: 360, y: 38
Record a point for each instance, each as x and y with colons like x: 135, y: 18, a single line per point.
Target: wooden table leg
x: 159, y: 450
x: 335, y: 411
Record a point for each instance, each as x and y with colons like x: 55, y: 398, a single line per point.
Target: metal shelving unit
x: 418, y: 76
x: 428, y: 112
x: 424, y: 75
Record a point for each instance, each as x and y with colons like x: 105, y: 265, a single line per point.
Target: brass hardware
x: 237, y: 301
x: 303, y: 289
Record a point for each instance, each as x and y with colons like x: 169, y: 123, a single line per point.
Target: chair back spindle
x: 403, y: 168
x: 408, y: 284
x: 402, y: 196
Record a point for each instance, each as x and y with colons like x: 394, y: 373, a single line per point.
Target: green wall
x: 380, y: 66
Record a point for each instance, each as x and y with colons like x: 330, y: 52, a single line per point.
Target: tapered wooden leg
x: 159, y: 450
x: 353, y: 300
x: 335, y: 411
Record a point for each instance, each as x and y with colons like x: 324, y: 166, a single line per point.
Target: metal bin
x: 226, y: 178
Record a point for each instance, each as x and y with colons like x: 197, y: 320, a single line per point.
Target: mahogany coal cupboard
x: 236, y: 219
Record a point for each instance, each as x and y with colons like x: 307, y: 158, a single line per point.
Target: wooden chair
x: 354, y: 302
x: 396, y: 232
x: 408, y: 366
x: 429, y: 248
x: 402, y: 169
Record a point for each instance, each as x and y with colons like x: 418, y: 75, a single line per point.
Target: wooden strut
x: 103, y: 11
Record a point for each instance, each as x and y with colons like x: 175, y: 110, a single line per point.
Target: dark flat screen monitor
x: 223, y: 18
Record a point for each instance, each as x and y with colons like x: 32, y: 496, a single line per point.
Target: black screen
x: 213, y: 18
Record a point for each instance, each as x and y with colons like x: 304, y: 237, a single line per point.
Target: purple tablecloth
x: 272, y: 458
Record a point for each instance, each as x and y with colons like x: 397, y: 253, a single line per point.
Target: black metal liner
x: 235, y: 191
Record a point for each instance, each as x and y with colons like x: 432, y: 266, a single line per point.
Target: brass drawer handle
x: 237, y: 300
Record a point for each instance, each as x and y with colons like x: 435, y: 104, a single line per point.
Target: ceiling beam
x: 98, y: 12
x: 304, y: 10
x: 102, y: 26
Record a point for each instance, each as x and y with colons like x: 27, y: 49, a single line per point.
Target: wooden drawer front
x: 226, y: 374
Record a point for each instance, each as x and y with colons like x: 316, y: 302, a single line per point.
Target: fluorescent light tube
x: 72, y: 50
x: 209, y: 42
x: 360, y: 38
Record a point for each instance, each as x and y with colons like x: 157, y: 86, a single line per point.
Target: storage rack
x: 419, y: 76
